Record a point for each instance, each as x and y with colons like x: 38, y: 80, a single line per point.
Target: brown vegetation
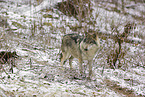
x: 76, y: 8
x: 5, y: 57
x: 118, y: 52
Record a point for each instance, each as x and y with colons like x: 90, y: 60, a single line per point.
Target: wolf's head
x: 92, y: 38
x: 90, y: 43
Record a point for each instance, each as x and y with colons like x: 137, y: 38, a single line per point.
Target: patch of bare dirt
x: 121, y: 90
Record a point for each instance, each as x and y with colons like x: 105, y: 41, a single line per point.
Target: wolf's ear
x: 93, y: 35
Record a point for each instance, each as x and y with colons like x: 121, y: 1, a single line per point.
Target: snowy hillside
x: 34, y: 29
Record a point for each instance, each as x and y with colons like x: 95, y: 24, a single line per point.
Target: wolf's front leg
x: 80, y: 65
x: 90, y: 68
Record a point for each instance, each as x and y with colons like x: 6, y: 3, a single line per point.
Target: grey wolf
x: 80, y: 47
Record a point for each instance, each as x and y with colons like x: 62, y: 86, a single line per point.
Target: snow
x: 45, y: 4
x: 135, y: 38
x: 44, y: 54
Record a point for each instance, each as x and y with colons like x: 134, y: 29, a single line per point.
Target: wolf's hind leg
x: 64, y: 58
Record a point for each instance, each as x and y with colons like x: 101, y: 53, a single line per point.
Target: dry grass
x: 121, y: 90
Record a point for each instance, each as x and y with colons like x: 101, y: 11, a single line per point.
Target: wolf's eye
x: 92, y: 42
x: 86, y: 49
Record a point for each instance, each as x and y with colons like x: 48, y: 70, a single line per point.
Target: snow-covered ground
x: 35, y: 35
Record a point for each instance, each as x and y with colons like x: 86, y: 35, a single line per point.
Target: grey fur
x: 80, y: 47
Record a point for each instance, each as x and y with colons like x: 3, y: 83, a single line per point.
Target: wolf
x: 80, y: 47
